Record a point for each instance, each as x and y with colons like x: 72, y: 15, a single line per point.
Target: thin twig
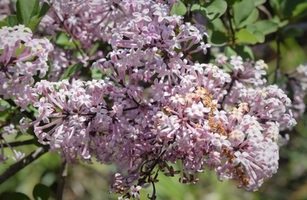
x: 19, y: 143
x: 278, y: 60
x: 60, y: 189
x: 13, y: 169
x: 70, y: 35
x: 265, y: 11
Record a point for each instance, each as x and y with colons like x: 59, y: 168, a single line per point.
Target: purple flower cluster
x: 158, y: 106
x: 16, y: 72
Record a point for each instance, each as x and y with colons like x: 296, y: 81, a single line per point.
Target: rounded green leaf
x: 245, y: 52
x: 216, y: 25
x: 287, y: 7
x: 293, y: 32
x: 211, y: 10
x: 181, y: 10
x: 218, y: 38
x: 266, y: 26
x: 300, y: 11
x: 247, y: 37
x: 228, y: 51
x: 188, y: 1
x: 253, y: 29
x: 250, y: 19
x: 3, y: 23
x: 17, y: 195
x: 41, y: 192
x: 11, y: 20
x: 232, y: 2
x: 243, y: 11
x: 259, y: 2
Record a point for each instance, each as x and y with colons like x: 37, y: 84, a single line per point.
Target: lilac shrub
x: 157, y: 106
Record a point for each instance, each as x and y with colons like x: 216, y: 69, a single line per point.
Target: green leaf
x: 17, y: 195
x: 48, y: 37
x: 293, y: 32
x: 72, y: 70
x: 41, y: 192
x: 266, y: 26
x: 242, y: 12
x: 253, y: 29
x: 19, y: 50
x: 216, y: 8
x: 94, y: 48
x: 97, y: 73
x: 232, y: 2
x: 245, y: 52
x: 26, y: 9
x: 3, y: 116
x: 218, y: 38
x: 3, y: 23
x: 44, y: 10
x: 287, y: 7
x: 299, y: 11
x: 33, y: 24
x: 247, y: 37
x: 275, y: 4
x: 230, y: 52
x: 188, y: 1
x: 211, y: 10
x: 11, y: 20
x: 181, y: 10
x: 216, y: 25
x: 36, y: 19
x: 259, y: 2
x: 251, y: 18
x: 64, y: 41
x: 284, y: 8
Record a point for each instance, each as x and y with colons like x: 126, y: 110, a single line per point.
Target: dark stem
x: 70, y: 35
x: 278, y: 60
x: 13, y: 169
x: 233, y: 79
x: 60, y: 189
x: 19, y: 143
x: 231, y: 28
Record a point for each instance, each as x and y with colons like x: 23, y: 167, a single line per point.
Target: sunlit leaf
x: 72, y: 70
x: 181, y: 10
x: 246, y: 36
x: 266, y: 26
x: 26, y: 9
x: 211, y: 10
x: 299, y: 11
x: 243, y: 11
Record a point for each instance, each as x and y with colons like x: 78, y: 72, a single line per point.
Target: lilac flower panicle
x: 157, y: 105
